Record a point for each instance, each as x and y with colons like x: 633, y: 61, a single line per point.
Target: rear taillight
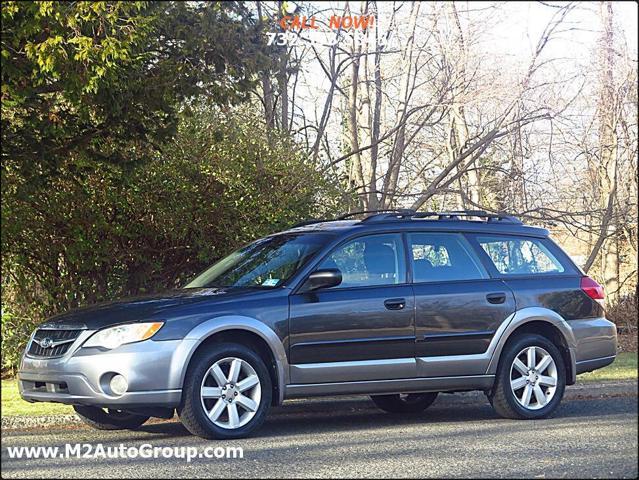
x: 592, y: 289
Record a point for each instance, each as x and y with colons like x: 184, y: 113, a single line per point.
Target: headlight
x: 115, y: 336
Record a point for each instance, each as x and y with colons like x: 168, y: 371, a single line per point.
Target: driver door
x: 362, y: 329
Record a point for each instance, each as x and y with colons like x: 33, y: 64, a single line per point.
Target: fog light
x: 118, y: 385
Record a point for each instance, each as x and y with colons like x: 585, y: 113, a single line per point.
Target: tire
x: 516, y: 385
x: 108, y: 419
x: 405, y: 403
x: 221, y: 388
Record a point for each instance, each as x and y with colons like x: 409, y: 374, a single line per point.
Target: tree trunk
x: 353, y: 127
x: 399, y: 144
x: 608, y: 154
x: 459, y: 125
x: 376, y: 117
x: 282, y: 80
x: 267, y: 88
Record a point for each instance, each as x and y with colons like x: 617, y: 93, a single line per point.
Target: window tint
x: 442, y: 257
x: 520, y: 256
x: 266, y: 263
x: 371, y: 260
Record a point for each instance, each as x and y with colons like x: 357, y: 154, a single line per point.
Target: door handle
x: 395, y: 303
x: 496, y: 298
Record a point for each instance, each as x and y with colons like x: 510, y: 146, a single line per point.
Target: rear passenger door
x: 458, y: 306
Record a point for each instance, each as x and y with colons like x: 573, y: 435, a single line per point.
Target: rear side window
x: 520, y: 256
x: 441, y: 257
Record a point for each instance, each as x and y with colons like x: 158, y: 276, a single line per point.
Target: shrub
x: 624, y: 313
x: 108, y: 232
x: 15, y: 331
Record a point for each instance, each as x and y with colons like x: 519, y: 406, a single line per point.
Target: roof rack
x: 407, y: 214
x: 372, y: 213
x: 454, y: 215
x: 311, y: 222
x: 389, y: 211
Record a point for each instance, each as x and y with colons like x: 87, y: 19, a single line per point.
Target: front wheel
x: 531, y: 379
x: 109, y: 419
x: 227, y: 392
x: 405, y: 403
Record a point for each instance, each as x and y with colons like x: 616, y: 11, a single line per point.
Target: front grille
x: 36, y: 350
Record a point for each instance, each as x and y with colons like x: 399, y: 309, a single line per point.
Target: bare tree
x: 423, y: 115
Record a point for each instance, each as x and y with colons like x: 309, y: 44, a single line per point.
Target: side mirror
x: 327, y: 278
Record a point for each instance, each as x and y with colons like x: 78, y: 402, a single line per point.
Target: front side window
x: 266, y: 263
x: 368, y: 261
x: 520, y: 256
x: 443, y: 257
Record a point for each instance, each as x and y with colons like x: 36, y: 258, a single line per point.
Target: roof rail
x: 449, y: 216
x: 346, y: 216
x: 387, y: 211
x: 490, y: 217
x: 310, y: 222
x: 407, y: 214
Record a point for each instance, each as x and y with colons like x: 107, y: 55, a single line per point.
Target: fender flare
x: 208, y: 328
x: 527, y: 315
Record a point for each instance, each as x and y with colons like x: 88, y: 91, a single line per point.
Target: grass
x: 623, y: 368
x: 12, y: 404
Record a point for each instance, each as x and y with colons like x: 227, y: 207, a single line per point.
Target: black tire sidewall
x: 504, y: 375
x: 191, y: 396
x: 98, y: 418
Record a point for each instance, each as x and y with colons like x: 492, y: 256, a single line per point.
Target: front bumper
x: 153, y: 370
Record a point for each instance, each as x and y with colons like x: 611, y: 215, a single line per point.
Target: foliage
x: 127, y: 165
x: 101, y: 81
x: 117, y: 231
x: 14, y: 332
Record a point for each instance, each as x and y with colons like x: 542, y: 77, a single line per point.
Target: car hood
x: 142, y: 308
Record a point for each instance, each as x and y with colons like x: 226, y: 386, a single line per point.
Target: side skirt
x: 433, y: 384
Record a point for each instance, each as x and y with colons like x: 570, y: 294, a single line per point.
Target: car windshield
x: 266, y: 263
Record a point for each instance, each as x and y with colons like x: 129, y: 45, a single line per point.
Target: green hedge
x: 106, y: 232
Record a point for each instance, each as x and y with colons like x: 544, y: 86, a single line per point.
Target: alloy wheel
x: 231, y: 393
x: 533, y: 378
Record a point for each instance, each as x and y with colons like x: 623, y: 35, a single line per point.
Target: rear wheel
x: 405, y: 402
x: 531, y: 379
x: 109, y: 419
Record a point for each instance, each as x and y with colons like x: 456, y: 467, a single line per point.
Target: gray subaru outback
x: 398, y: 305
